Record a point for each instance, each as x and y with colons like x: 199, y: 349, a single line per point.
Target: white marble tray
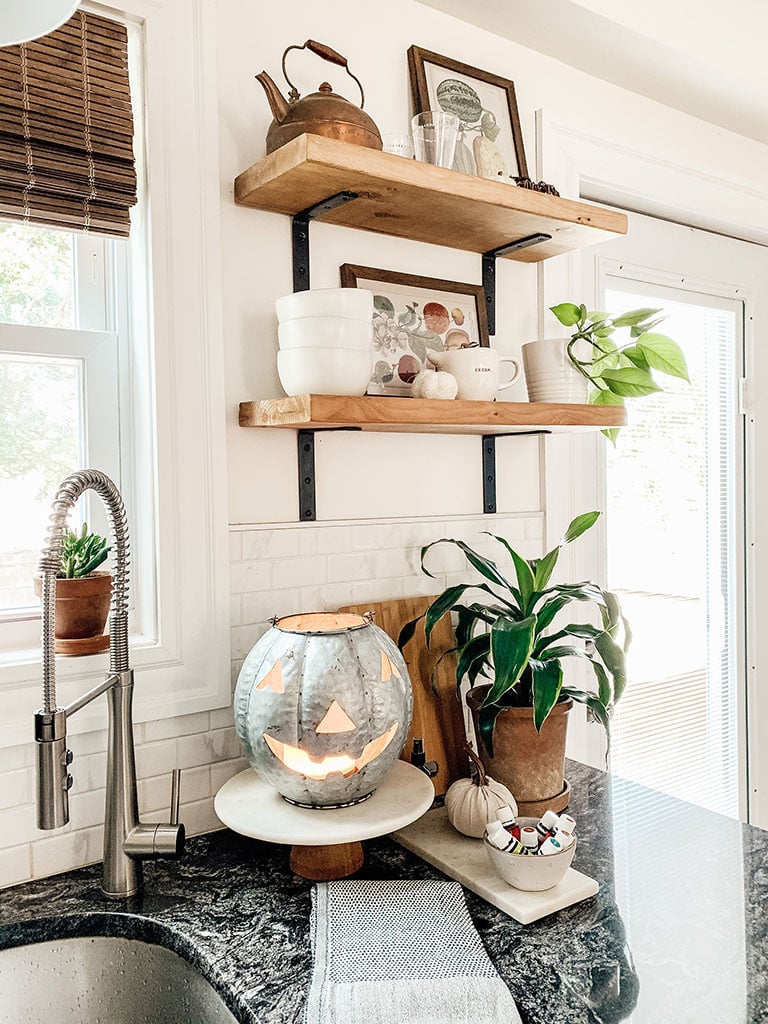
x: 436, y: 841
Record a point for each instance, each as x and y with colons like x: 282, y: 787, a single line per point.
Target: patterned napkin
x: 400, y: 951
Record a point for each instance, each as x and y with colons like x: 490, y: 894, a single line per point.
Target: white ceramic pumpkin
x: 434, y: 384
x: 472, y: 803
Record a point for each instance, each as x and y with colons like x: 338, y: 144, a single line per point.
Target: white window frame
x: 656, y: 184
x: 175, y: 276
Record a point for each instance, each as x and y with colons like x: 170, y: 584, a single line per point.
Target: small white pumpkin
x: 434, y: 384
x: 472, y: 803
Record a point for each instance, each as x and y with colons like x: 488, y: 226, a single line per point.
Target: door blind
x: 66, y: 128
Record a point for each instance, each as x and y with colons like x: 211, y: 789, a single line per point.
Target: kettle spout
x: 277, y: 102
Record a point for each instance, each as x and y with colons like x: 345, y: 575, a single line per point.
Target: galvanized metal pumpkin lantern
x: 322, y: 707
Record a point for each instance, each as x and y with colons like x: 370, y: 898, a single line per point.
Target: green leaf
x: 634, y: 317
x: 614, y: 661
x: 477, y: 647
x: 596, y: 315
x: 599, y: 397
x: 584, y: 631
x: 630, y: 382
x: 567, y: 313
x: 440, y: 606
x: 579, y: 525
x: 582, y: 313
x: 636, y: 356
x: 547, y: 680
x: 407, y: 632
x: 663, y: 354
x: 638, y: 329
x: 486, y: 721
x: 604, y: 688
x: 511, y: 646
x: 595, y: 706
x: 545, y: 567
x: 524, y: 580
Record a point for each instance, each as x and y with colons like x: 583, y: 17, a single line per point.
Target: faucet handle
x: 175, y: 796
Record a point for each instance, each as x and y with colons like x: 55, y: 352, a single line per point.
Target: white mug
x: 476, y: 371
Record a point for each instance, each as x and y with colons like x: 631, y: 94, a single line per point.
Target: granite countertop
x: 676, y: 933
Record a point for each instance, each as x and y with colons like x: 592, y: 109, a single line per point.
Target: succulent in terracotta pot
x: 83, y: 593
x: 511, y: 648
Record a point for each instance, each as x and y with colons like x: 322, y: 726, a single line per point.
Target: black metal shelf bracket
x: 489, y: 474
x: 489, y: 271
x: 306, y: 453
x: 300, y: 235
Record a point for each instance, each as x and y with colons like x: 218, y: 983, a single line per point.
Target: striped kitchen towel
x: 400, y: 951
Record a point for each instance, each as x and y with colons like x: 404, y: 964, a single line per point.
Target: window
x: 59, y: 393
x: 152, y: 305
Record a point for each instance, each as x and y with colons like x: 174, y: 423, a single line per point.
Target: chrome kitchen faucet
x: 126, y: 839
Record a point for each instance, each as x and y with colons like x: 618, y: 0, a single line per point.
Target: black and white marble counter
x: 678, y: 931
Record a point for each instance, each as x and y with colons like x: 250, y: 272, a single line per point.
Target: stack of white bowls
x: 326, y: 341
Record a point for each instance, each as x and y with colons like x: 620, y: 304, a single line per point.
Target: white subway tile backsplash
x: 16, y: 787
x: 221, y: 718
x: 248, y: 576
x: 299, y: 572
x: 156, y: 758
x: 169, y: 728
x: 325, y: 540
x: 269, y: 544
x: 12, y: 758
x: 217, y: 745
x: 224, y: 771
x: 67, y: 850
x: 351, y: 567
x: 15, y: 865
x: 376, y: 537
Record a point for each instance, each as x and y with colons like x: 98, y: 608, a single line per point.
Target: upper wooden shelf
x: 421, y: 415
x: 410, y: 199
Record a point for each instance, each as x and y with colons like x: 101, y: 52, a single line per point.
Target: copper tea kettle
x: 321, y: 113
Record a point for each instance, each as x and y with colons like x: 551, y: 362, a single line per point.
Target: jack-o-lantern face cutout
x: 322, y: 707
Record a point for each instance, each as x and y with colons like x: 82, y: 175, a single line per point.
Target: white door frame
x: 580, y: 165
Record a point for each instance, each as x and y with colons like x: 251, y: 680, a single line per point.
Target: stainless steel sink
x: 104, y: 981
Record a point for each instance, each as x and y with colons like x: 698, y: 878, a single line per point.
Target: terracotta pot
x: 82, y: 605
x: 528, y: 763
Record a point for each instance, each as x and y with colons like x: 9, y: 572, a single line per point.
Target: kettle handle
x: 321, y: 50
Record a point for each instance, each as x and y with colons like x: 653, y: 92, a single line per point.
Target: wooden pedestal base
x: 324, y: 863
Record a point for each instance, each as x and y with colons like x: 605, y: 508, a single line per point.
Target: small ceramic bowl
x: 534, y: 874
x: 324, y: 371
x: 326, y: 332
x: 347, y: 303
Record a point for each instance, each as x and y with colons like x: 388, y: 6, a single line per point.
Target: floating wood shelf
x: 410, y: 199
x: 418, y: 416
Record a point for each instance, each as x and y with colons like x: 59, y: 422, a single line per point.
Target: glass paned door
x: 675, y: 554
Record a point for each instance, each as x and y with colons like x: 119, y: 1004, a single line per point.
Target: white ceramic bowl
x: 348, y: 303
x: 534, y: 874
x: 324, y: 371
x: 326, y: 332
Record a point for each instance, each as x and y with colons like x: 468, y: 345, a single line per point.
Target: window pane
x: 37, y: 276
x: 41, y: 442
x: 673, y: 554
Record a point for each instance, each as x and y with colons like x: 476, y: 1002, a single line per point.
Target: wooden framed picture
x: 413, y: 316
x: 490, y: 140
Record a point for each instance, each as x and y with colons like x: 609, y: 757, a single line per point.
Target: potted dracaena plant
x: 511, y: 651
x: 590, y: 365
x: 82, y: 593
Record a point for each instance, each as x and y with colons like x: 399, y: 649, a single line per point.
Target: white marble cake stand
x: 325, y: 843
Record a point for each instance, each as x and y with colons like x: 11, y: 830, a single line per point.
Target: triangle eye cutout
x: 336, y: 719
x: 273, y: 680
x: 388, y: 670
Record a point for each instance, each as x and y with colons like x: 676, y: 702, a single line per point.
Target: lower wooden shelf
x: 419, y: 416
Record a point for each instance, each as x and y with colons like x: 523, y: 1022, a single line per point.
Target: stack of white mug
x: 326, y: 341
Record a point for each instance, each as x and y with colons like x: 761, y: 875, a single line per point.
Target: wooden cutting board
x: 437, y: 714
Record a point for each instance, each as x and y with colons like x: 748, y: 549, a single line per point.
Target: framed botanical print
x: 413, y: 316
x: 490, y: 142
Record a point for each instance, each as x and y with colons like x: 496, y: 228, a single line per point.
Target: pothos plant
x: 618, y: 372
x: 509, y: 638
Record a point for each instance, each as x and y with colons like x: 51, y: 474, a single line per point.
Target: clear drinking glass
x: 434, y: 137
x: 399, y: 143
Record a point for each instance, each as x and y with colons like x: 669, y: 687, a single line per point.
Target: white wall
x: 334, y: 563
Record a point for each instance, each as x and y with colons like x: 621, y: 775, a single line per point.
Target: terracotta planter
x: 82, y: 607
x: 528, y: 763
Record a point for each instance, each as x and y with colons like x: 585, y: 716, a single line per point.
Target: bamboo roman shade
x: 66, y: 128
